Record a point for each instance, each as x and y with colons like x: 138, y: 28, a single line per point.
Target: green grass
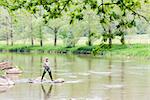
x: 142, y: 50
x: 117, y: 49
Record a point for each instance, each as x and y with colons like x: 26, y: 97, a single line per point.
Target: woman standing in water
x: 47, y: 68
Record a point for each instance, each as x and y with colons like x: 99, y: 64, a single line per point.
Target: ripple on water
x: 100, y: 73
x: 74, y: 81
x: 115, y: 86
x: 84, y: 74
x: 21, y: 81
x: 86, y: 98
x: 5, y: 88
x: 70, y: 75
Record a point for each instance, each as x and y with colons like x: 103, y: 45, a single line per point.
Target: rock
x: 13, y: 77
x: 13, y: 71
x: 5, y: 81
x: 38, y: 80
x: 5, y: 65
x: 59, y: 80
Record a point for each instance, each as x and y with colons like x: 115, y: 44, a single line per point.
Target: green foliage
x: 115, y: 17
x: 53, y: 49
x: 141, y: 50
x: 100, y: 49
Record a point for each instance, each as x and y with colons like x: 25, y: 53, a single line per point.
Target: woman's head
x: 46, y: 59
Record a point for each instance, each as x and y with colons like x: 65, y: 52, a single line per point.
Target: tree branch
x: 102, y: 4
x: 50, y: 27
x: 65, y: 5
x: 135, y: 13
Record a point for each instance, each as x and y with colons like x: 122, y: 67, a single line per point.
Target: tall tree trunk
x: 41, y: 35
x: 89, y: 38
x: 7, y: 35
x: 89, y: 31
x: 55, y: 36
x: 7, y: 39
x: 122, y: 40
x: 110, y: 38
x: 32, y: 40
x: 11, y: 32
x: 41, y: 42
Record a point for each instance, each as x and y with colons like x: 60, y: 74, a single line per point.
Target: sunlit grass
x: 131, y: 50
x: 140, y: 47
x: 117, y: 49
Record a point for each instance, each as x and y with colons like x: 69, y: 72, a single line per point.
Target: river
x: 86, y: 78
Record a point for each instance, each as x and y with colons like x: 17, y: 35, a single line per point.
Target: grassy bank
x: 47, y: 49
x: 142, y: 50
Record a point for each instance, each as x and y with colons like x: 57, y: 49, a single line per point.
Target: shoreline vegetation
x: 141, y: 50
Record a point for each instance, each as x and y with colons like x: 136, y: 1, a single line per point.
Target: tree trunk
x: 7, y: 35
x: 110, y: 42
x: 55, y: 36
x: 89, y: 38
x: 110, y: 39
x: 11, y: 33
x: 41, y: 35
x: 7, y: 40
x: 41, y: 40
x: 89, y: 31
x: 122, y: 39
x: 32, y: 40
x: 11, y: 36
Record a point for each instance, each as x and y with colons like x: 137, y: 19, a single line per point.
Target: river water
x: 86, y: 78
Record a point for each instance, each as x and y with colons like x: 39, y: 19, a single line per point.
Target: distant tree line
x: 70, y: 19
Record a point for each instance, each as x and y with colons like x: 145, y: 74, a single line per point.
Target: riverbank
x: 47, y: 49
x: 142, y: 50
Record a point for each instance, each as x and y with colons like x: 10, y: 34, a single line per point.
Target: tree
x: 106, y: 10
x: 55, y: 25
x: 72, y: 33
x: 5, y: 26
x: 92, y: 26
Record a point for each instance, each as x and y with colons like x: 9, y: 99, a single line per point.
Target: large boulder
x: 5, y: 81
x: 13, y: 70
x: 13, y: 77
x: 5, y: 65
x: 9, y: 69
x: 38, y: 80
x: 59, y: 80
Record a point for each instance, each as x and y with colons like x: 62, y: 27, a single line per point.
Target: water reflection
x: 110, y: 68
x: 5, y: 88
x: 122, y: 78
x: 5, y: 84
x: 47, y: 94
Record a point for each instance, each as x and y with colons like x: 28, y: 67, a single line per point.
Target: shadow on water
x: 47, y: 94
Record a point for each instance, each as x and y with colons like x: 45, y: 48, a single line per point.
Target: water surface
x: 86, y: 77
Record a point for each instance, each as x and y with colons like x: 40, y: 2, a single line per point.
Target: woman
x: 46, y: 66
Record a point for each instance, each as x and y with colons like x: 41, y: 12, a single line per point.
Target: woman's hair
x: 46, y: 58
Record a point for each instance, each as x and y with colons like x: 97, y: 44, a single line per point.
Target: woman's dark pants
x: 49, y: 72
